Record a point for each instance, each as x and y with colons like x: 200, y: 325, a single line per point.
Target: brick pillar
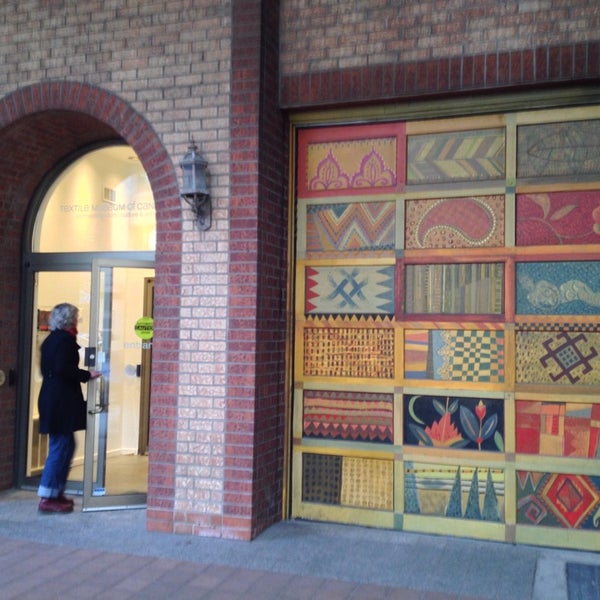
x: 258, y: 264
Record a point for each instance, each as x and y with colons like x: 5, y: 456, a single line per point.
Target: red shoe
x: 54, y: 505
x: 64, y: 500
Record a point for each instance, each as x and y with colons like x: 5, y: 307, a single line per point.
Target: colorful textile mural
x: 454, y: 355
x: 356, y: 416
x: 471, y: 222
x: 467, y: 288
x: 563, y: 357
x: 558, y: 218
x: 552, y: 149
x: 558, y: 288
x: 454, y: 422
x: 446, y: 327
x: 348, y: 481
x: 454, y: 491
x: 558, y: 428
x: 456, y: 156
x: 348, y: 289
x: 558, y: 500
x: 358, y: 228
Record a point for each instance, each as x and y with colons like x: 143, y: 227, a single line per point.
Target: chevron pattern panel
x: 456, y: 156
x: 355, y: 228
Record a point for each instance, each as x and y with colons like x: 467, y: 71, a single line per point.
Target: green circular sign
x: 144, y: 328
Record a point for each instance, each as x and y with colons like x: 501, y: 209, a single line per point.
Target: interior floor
x: 125, y: 474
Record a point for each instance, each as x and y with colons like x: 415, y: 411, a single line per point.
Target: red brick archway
x: 39, y: 126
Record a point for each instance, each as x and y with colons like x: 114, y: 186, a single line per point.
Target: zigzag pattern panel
x: 470, y: 222
x: 559, y: 149
x: 355, y: 228
x: 355, y: 416
x: 558, y: 500
x: 359, y: 290
x: 457, y: 156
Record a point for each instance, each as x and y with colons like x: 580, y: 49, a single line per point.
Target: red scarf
x: 72, y: 331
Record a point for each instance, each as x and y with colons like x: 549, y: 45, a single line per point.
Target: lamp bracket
x: 201, y: 207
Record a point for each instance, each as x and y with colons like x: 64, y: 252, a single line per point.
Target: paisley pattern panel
x: 472, y: 222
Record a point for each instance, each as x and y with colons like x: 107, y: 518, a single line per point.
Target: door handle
x: 102, y: 405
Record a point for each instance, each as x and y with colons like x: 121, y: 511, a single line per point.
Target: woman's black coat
x: 60, y: 404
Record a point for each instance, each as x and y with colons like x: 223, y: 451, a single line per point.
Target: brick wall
x: 168, y: 63
x: 366, y: 52
x: 331, y: 35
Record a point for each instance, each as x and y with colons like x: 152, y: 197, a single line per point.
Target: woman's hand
x: 95, y: 374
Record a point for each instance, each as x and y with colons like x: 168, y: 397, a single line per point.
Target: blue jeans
x: 61, y: 448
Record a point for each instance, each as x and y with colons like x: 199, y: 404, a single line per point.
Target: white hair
x: 62, y: 316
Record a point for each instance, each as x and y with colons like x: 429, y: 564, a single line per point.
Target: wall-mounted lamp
x: 195, y: 189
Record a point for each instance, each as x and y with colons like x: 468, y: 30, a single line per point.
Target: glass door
x: 115, y: 463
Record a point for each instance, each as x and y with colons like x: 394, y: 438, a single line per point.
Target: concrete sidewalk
x: 111, y: 555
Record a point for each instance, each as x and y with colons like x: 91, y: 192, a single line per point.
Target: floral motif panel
x: 558, y: 218
x: 351, y: 160
x: 454, y: 422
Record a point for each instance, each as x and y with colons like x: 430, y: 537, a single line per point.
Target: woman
x: 61, y: 406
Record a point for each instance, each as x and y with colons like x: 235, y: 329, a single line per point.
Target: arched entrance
x: 40, y: 127
x: 92, y: 245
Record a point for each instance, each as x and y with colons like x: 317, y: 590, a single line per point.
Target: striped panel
x: 356, y: 416
x: 476, y: 288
